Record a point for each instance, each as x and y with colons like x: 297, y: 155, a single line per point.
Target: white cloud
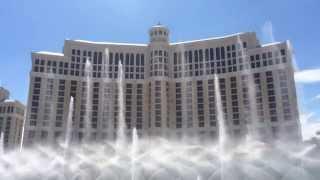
x: 315, y: 98
x: 267, y: 30
x: 309, y: 125
x: 307, y: 76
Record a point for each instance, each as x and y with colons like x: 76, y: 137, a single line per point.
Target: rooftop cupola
x: 159, y: 33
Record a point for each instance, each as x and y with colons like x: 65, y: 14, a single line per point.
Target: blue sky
x: 32, y: 25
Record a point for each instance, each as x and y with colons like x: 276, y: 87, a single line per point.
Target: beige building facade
x: 11, y: 121
x: 169, y: 89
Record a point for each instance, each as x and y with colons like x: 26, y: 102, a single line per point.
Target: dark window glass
x: 190, y: 56
x: 211, y: 54
x: 142, y: 59
x: 218, y: 53
x: 116, y: 59
x: 200, y: 55
x: 207, y: 55
x: 283, y: 52
x: 196, y: 56
x: 127, y: 59
x: 233, y: 47
x: 137, y: 59
x: 244, y: 44
x: 175, y: 58
x: 222, y: 53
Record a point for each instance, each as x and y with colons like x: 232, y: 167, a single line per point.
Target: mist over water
x: 158, y: 159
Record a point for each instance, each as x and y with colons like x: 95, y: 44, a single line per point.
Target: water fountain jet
x: 1, y: 143
x: 88, y: 71
x: 69, y: 125
x: 121, y: 135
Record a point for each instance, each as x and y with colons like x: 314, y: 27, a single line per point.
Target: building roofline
x: 12, y: 101
x: 145, y: 45
x: 48, y: 53
x: 107, y: 43
x: 208, y: 39
x: 273, y: 43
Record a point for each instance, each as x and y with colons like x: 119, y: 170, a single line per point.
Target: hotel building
x: 11, y: 121
x: 169, y: 89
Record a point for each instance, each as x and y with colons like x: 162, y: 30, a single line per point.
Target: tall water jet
x: 68, y: 135
x: 252, y: 126
x: 222, y: 126
x: 251, y: 86
x: 134, y: 151
x: 220, y: 116
x: 106, y: 101
x: 105, y: 65
x: 88, y: 70
x: 181, y: 58
x: 69, y: 124
x: 23, y: 130
x: 1, y: 143
x: 121, y: 137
